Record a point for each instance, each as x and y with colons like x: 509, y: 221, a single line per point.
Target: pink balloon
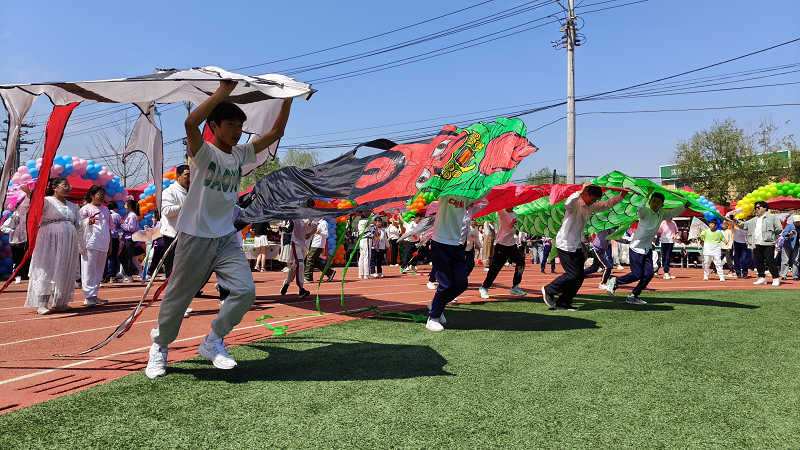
x: 22, y: 170
x: 38, y: 160
x: 57, y: 168
x: 39, y: 166
x: 130, y: 197
x: 16, y: 179
x: 26, y: 177
x: 81, y: 172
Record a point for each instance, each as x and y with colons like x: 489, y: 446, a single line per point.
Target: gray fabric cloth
x: 195, y: 259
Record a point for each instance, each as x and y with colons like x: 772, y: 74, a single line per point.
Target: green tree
x: 725, y: 161
x: 543, y: 176
x: 293, y: 157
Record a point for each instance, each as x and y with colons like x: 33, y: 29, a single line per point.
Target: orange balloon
x: 151, y: 206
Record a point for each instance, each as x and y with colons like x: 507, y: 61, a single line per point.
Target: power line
x: 365, y: 39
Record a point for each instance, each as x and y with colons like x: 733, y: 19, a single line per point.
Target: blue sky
x: 70, y: 41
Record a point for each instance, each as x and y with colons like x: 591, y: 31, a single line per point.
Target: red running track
x: 30, y: 374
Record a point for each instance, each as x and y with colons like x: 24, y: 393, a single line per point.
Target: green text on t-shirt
x: 222, y: 181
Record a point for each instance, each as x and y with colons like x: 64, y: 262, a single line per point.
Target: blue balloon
x: 68, y: 168
x: 142, y: 196
x: 95, y: 176
x: 4, y: 239
x: 30, y: 164
x: 121, y: 205
x: 90, y: 169
x: 58, y: 160
x: 33, y: 172
x: 3, y: 270
x: 67, y: 159
x: 8, y: 262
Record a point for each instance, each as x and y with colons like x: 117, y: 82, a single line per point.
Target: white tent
x: 260, y: 97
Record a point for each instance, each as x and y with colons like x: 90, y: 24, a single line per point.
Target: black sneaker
x: 544, y: 272
x: 304, y: 293
x: 548, y: 299
x: 552, y: 271
x: 333, y: 274
x: 284, y: 288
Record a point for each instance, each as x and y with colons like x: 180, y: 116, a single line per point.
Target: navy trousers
x: 641, y: 271
x: 741, y: 258
x: 501, y: 254
x: 569, y: 283
x: 666, y: 255
x: 451, y: 273
x: 469, y: 255
x: 545, y: 255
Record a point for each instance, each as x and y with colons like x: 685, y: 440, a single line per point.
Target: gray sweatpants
x: 195, y: 259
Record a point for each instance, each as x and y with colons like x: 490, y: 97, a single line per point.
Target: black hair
x: 54, y: 182
x: 310, y: 203
x: 658, y: 195
x: 132, y: 206
x: 419, y: 214
x: 92, y: 192
x: 112, y: 206
x: 156, y: 215
x: 225, y: 111
x: 180, y: 169
x: 762, y: 204
x: 716, y: 222
x: 364, y: 215
x: 594, y: 191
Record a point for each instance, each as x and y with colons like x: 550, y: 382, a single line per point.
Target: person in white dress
x: 364, y: 247
x: 54, y: 263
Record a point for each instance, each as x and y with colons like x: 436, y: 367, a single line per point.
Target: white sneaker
x: 434, y: 324
x: 761, y: 281
x: 414, y: 269
x: 17, y: 280
x: 374, y: 275
x: 216, y: 353
x: 603, y: 286
x: 484, y: 292
x: 380, y: 275
x: 454, y: 301
x: 89, y: 303
x: 517, y: 291
x: 485, y: 269
x: 157, y: 366
x: 722, y: 279
x: 431, y: 285
x: 705, y: 277
x: 187, y: 312
x: 285, y: 269
x: 776, y: 282
x: 442, y: 320
x: 619, y: 267
x: 127, y: 280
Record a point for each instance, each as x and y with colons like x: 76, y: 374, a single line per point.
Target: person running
x: 208, y: 240
x: 763, y: 230
x: 172, y: 200
x: 651, y: 214
x: 599, y: 259
x: 579, y: 207
x: 666, y: 233
x: 712, y: 240
x: 318, y: 245
x: 448, y: 256
x: 505, y: 248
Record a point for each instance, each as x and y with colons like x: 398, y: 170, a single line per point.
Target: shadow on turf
x: 653, y: 303
x: 462, y: 317
x: 335, y: 361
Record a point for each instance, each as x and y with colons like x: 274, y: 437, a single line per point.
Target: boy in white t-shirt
x: 207, y: 241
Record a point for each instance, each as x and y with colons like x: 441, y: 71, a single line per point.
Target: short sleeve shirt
x: 213, y: 191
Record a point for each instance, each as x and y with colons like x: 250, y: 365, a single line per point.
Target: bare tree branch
x: 108, y: 149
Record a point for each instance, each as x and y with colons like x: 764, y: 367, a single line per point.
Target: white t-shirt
x: 100, y: 235
x: 321, y: 235
x: 449, y: 219
x: 410, y: 227
x: 213, y: 191
x: 506, y: 226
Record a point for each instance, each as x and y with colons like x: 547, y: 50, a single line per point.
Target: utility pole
x: 20, y: 141
x: 570, y: 32
x: 569, y: 41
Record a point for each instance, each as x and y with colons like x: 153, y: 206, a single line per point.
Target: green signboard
x: 671, y: 172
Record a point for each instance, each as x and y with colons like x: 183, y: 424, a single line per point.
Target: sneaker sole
x: 153, y: 377
x: 544, y: 297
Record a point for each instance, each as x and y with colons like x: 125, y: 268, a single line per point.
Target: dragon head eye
x: 440, y: 148
x: 423, y: 177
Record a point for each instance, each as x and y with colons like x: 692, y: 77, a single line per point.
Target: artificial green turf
x: 715, y: 369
